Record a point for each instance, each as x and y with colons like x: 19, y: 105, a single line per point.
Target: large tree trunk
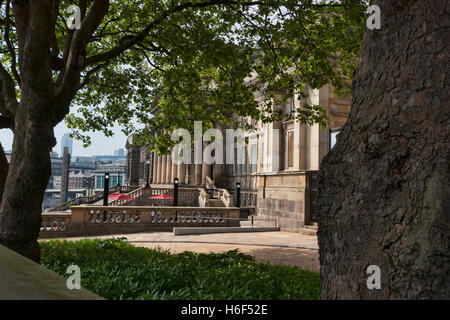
x: 3, y: 170
x: 44, y: 102
x: 28, y: 174
x: 384, y: 187
x: 33, y: 122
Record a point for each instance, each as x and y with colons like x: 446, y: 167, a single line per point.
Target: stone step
x: 313, y: 227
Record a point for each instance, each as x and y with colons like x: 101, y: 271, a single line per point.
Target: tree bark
x: 43, y: 104
x: 29, y: 168
x: 384, y: 187
x: 3, y: 170
x: 28, y: 174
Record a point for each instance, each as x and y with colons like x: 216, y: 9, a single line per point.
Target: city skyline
x: 101, y: 145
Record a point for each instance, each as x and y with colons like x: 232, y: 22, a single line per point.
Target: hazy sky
x: 100, y: 145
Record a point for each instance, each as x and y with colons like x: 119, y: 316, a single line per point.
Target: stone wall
x: 281, y: 196
x: 23, y: 279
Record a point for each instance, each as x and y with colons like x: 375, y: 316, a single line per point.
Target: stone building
x: 277, y: 171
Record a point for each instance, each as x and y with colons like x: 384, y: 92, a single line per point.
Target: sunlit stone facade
x: 278, y: 157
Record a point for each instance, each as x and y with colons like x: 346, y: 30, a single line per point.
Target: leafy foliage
x: 115, y: 269
x: 164, y: 64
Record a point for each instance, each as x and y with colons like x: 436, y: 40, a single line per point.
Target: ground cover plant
x: 115, y: 269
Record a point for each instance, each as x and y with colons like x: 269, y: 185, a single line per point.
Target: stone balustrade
x: 248, y: 198
x: 203, y: 198
x: 55, y: 224
x: 97, y: 220
x: 226, y: 197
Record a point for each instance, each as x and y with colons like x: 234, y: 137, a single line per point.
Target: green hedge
x: 115, y: 269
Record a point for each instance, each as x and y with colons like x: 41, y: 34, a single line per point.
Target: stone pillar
x: 163, y: 169
x: 158, y: 168
x: 181, y: 173
x: 197, y: 174
x: 154, y: 167
x: 175, y: 172
x: 168, y: 169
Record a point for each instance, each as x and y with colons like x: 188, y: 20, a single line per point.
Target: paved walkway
x: 279, y: 247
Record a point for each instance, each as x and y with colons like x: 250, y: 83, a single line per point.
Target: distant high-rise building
x: 119, y: 152
x: 66, y: 141
x: 54, y: 154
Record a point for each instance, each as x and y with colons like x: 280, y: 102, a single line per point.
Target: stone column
x: 158, y: 168
x: 168, y: 169
x: 175, y: 172
x: 181, y: 173
x: 154, y: 167
x: 197, y: 174
x: 163, y: 169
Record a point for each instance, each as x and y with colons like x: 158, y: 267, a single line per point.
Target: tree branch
x: 128, y: 42
x: 11, y: 49
x: 91, y: 72
x: 70, y: 80
x: 21, y: 19
x: 8, y: 100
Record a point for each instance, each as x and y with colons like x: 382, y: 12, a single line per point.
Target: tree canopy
x: 167, y: 63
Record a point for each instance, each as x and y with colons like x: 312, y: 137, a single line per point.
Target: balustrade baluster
x: 159, y: 217
x: 131, y: 216
x: 152, y: 217
x: 188, y: 217
x: 137, y: 219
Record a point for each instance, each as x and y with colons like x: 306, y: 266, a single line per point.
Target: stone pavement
x: 285, y: 248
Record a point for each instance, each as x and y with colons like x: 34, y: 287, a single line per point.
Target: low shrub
x: 115, y: 269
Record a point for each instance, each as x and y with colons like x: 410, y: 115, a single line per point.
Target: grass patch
x: 115, y: 269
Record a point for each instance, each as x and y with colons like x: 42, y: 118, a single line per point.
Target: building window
x: 99, y: 182
x: 261, y: 160
x: 244, y: 161
x: 253, y: 157
x: 235, y: 161
x: 290, y: 163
